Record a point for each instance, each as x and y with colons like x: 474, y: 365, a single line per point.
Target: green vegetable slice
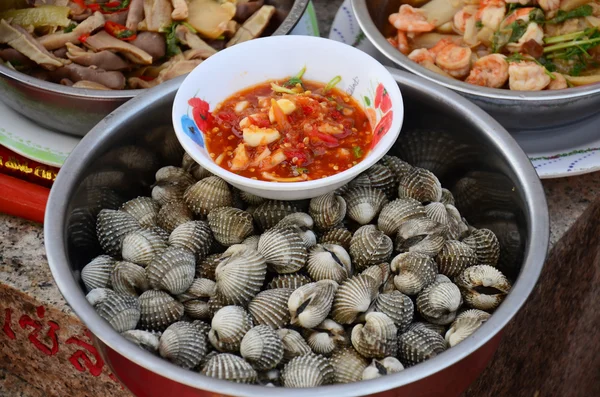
x: 579, y: 12
x: 39, y: 16
x: 332, y: 83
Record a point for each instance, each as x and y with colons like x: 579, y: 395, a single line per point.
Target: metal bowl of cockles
x: 397, y: 284
x: 84, y: 59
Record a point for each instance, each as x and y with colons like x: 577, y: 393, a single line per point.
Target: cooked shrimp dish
x: 522, y: 45
x: 123, y: 44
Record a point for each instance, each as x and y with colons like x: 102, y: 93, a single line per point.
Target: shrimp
x: 549, y: 5
x: 522, y: 2
x: 492, y: 16
x: 489, y: 71
x: 519, y: 14
x: 425, y: 58
x: 402, y: 42
x: 559, y: 82
x: 454, y: 60
x: 533, y: 32
x: 409, y: 19
x: 461, y: 17
x: 527, y: 76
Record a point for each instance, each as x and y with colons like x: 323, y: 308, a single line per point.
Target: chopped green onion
x: 579, y: 12
x: 70, y: 28
x: 278, y: 88
x: 358, y: 152
x: 564, y: 37
x: 297, y: 79
x: 575, y: 43
x: 339, y: 107
x: 332, y: 84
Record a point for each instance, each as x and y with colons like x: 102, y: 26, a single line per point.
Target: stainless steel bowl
x: 495, y: 187
x: 75, y: 111
x: 515, y: 110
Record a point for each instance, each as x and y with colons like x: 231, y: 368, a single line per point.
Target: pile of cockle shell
x: 382, y: 274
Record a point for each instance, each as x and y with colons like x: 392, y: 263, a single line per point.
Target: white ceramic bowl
x: 257, y: 61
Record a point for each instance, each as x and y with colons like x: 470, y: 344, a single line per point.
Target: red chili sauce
x: 310, y: 133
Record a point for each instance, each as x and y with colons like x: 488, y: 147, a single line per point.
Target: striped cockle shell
x: 303, y: 224
x: 270, y: 378
x: 144, y: 339
x: 270, y: 307
x: 310, y: 304
x: 439, y: 301
x: 398, y: 167
x: 228, y: 327
x: 447, y: 197
x: 369, y: 246
x: 230, y: 367
x: 97, y: 273
x: 195, y: 236
x: 464, y: 325
x: 381, y: 272
x: 160, y: 231
x: 195, y: 299
x: 195, y: 169
x: 326, y: 337
x: 129, y: 279
x: 143, y: 209
x: 364, y: 203
x: 170, y: 184
x: 418, y: 345
x: 327, y: 210
x: 283, y: 249
x: 337, y: 235
x: 269, y: 213
x: 292, y: 281
x: 329, y: 262
x: 141, y: 246
x: 396, y: 212
x: 413, y: 272
x: 99, y: 198
x: 251, y: 199
x: 483, y: 287
x: 437, y: 328
x: 208, y: 194
x: 172, y: 270
x: 420, y: 184
x: 378, y: 177
x: 353, y: 298
x: 230, y: 225
x: 377, y: 338
x: 447, y: 215
x: 183, y: 344
x: 379, y: 368
x: 122, y: 312
x: 421, y: 235
x: 310, y: 370
x: 455, y: 257
x: 240, y: 275
x: 262, y: 348
x: 252, y: 242
x: 173, y: 214
x: 348, y: 365
x: 294, y: 345
x: 111, y: 227
x: 158, y: 310
x: 486, y: 245
x: 397, y: 306
x: 206, y: 268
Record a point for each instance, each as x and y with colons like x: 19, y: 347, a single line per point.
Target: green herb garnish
x: 300, y: 170
x: 339, y: 107
x: 479, y: 24
x: 536, y: 15
x: 551, y: 67
x: 358, y: 152
x: 70, y: 28
x: 122, y: 6
x: 297, y: 79
x: 283, y: 90
x: 579, y: 12
x: 520, y: 58
x: 171, y: 38
x: 332, y: 83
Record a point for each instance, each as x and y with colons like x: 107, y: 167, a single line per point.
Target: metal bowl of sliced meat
x: 66, y: 64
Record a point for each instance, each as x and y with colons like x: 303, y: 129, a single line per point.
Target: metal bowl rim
x: 535, y: 253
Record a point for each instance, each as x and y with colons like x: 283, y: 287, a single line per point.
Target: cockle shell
x: 206, y: 268
x: 398, y: 167
x: 122, y: 312
x: 413, y: 272
x: 141, y: 246
x: 195, y: 236
x: 377, y: 338
x: 230, y: 367
x: 99, y: 198
x: 418, y: 345
x: 447, y: 215
x: 329, y: 262
x: 195, y: 299
x: 421, y: 235
x: 294, y: 345
x: 252, y: 199
x: 326, y: 337
x: 158, y: 310
x: 111, y: 227
x: 96, y: 274
x: 143, y: 209
x: 398, y: 307
x: 183, y: 344
x: 129, y: 279
x: 486, y: 245
x: 455, y: 257
x: 228, y: 327
x: 483, y: 287
x: 144, y: 339
x: 269, y: 213
x: 173, y: 214
x: 262, y: 347
x: 364, y: 203
x: 108, y: 178
x: 270, y: 307
x: 378, y: 177
x: 270, y: 378
x: 208, y: 194
x: 369, y: 246
x: 310, y: 304
x: 292, y: 281
x: 310, y: 370
x: 379, y: 368
x: 302, y: 223
x: 396, y: 212
x: 353, y: 297
x: 464, y: 325
x: 240, y: 275
x: 81, y: 230
x: 252, y: 242
x: 348, y: 365
x: 327, y: 210
x: 439, y: 301
x: 171, y: 183
x: 438, y: 329
x: 195, y: 169
x: 420, y: 184
x: 337, y: 235
x: 172, y: 270
x: 161, y: 232
x: 230, y: 225
x: 381, y: 272
x: 283, y: 249
x: 447, y: 197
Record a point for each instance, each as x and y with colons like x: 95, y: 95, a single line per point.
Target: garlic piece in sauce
x: 256, y: 136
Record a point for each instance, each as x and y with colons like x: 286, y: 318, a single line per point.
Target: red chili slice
x: 119, y: 31
x: 83, y: 37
